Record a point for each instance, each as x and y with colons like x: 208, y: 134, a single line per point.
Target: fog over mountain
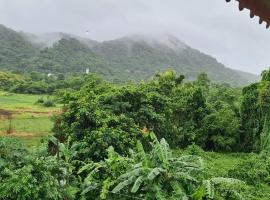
x: 134, y: 57
x: 214, y: 27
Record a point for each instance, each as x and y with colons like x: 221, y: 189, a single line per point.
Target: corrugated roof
x: 260, y: 8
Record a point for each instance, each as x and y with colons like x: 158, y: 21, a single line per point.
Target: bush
x: 12, y: 153
x: 194, y: 150
x: 25, y: 175
x: 45, y: 102
x: 40, y: 101
x: 48, y: 103
x: 254, y: 171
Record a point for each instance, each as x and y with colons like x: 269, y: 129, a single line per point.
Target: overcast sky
x: 212, y: 26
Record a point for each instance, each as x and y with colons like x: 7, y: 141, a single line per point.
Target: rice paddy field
x: 23, y: 118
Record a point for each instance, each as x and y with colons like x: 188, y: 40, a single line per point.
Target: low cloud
x: 214, y: 27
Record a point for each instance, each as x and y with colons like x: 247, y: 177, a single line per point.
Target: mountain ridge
x: 135, y: 57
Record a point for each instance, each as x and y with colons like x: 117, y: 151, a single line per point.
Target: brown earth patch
x: 50, y: 113
x: 5, y: 114
x: 20, y: 134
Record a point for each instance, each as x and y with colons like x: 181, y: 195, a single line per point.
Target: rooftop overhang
x: 260, y: 8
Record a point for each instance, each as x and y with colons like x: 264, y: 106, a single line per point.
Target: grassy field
x: 29, y: 121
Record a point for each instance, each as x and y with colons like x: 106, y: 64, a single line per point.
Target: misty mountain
x: 14, y: 48
x: 140, y: 56
x: 135, y: 57
x: 66, y: 56
x: 49, y: 39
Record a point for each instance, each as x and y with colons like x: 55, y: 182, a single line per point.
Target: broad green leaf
x: 122, y: 185
x: 137, y: 184
x: 154, y: 173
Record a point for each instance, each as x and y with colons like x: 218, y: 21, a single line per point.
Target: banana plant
x: 101, y: 176
x: 154, y: 175
x: 160, y: 175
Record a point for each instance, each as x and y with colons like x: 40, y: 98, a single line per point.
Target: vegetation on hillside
x: 14, y: 49
x: 138, y: 57
x: 133, y: 58
x: 66, y: 56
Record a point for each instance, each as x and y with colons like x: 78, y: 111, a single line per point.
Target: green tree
x: 264, y: 100
x: 251, y: 118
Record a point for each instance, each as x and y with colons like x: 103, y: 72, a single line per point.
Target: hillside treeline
x: 39, y: 83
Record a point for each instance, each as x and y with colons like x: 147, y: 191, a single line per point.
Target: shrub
x: 254, y: 170
x: 48, y: 103
x: 194, y: 150
x: 40, y: 100
x: 12, y: 153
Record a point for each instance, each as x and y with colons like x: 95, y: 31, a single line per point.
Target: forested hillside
x: 67, y: 56
x: 14, y: 49
x: 141, y: 56
x: 130, y: 58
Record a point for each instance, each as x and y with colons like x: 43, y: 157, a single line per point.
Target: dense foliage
x: 26, y: 176
x: 255, y: 114
x: 114, y: 142
x: 102, y: 115
x: 140, y: 175
x: 251, y: 119
x: 8, y: 80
